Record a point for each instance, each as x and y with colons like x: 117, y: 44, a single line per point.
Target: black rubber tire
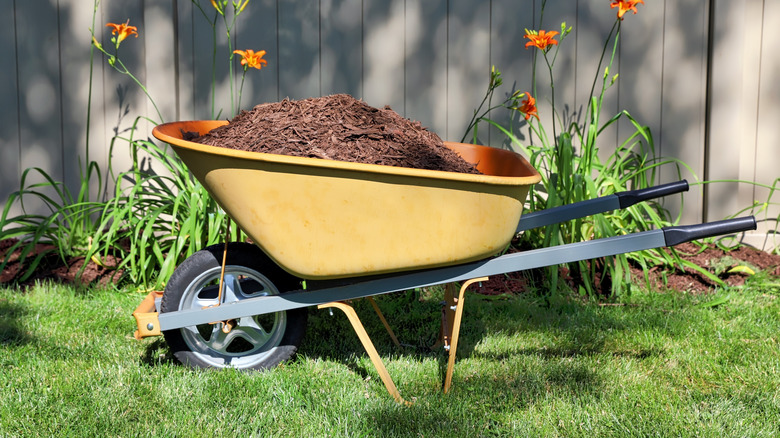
x: 193, y: 284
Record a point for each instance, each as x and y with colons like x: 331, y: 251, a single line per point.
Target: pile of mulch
x: 337, y: 127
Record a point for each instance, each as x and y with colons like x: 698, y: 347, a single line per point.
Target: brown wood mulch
x: 337, y: 127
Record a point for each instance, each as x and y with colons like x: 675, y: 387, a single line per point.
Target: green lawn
x: 653, y: 365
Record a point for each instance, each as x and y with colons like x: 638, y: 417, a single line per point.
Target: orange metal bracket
x: 453, y: 314
x: 369, y: 346
x: 146, y: 317
x: 450, y: 332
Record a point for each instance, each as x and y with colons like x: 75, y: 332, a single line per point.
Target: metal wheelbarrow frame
x: 181, y: 319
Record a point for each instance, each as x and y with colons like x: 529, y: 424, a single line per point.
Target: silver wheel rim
x: 252, y: 338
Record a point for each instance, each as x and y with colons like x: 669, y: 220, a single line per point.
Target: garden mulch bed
x: 53, y: 268
x: 708, y: 257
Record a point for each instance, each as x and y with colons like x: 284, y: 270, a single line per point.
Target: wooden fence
x: 702, y: 74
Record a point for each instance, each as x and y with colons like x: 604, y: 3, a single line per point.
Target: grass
x: 656, y: 364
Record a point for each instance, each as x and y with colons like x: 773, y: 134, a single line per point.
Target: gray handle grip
x: 631, y: 197
x: 686, y: 233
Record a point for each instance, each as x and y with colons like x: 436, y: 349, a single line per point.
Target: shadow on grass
x: 567, y: 352
x: 157, y: 353
x: 479, y: 405
x: 12, y: 333
x: 416, y: 323
x: 574, y: 328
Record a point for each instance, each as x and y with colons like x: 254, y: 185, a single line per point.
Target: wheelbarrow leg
x: 451, y: 319
x: 369, y: 346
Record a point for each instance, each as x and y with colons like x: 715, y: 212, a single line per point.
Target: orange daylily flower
x: 541, y: 39
x: 625, y: 6
x: 528, y: 107
x: 252, y: 59
x: 123, y: 30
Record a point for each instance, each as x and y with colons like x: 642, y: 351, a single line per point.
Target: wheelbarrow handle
x: 593, y: 206
x: 685, y: 233
x: 353, y: 288
x: 631, y: 197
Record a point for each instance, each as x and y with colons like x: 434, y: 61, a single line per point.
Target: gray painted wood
x: 727, y: 154
x: 468, y: 57
x: 639, y: 87
x: 257, y: 30
x: 77, y: 149
x: 10, y: 152
x: 383, y: 52
x: 299, y: 49
x: 767, y: 136
x: 509, y: 55
x: 340, y: 47
x: 187, y: 14
x: 426, y: 63
x: 39, y: 110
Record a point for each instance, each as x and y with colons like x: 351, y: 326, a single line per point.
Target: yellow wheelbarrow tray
x: 354, y: 231
x: 323, y: 219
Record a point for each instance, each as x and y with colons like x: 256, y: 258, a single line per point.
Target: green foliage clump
x: 155, y: 216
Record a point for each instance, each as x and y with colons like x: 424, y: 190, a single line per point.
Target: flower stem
x: 241, y: 90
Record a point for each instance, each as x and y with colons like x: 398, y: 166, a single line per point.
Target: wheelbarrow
x: 326, y: 232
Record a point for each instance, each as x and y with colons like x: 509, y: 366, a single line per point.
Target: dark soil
x: 337, y: 127
x: 709, y: 257
x: 715, y: 261
x: 53, y: 268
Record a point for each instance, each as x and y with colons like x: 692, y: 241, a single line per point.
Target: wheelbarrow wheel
x: 252, y: 343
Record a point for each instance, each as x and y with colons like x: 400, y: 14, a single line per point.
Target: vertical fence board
x: 767, y: 136
x: 638, y: 85
x: 185, y: 79
x: 510, y: 57
x: 39, y: 87
x: 257, y: 31
x: 468, y: 61
x: 594, y: 22
x: 160, y: 58
x: 10, y: 148
x: 123, y: 101
x: 683, y: 107
x: 299, y: 49
x: 727, y: 140
x: 210, y: 65
x: 743, y: 130
x: 79, y: 150
x: 383, y: 53
x: 565, y: 69
x: 341, y: 47
x: 426, y: 63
